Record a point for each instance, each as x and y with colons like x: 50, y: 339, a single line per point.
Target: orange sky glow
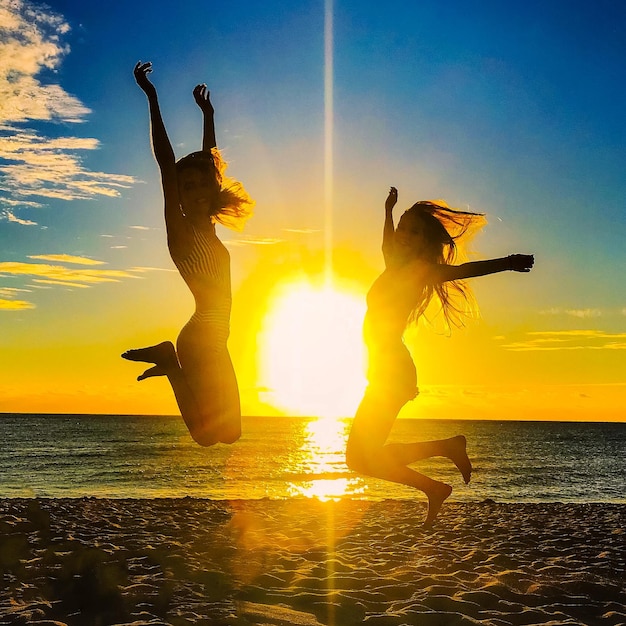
x: 317, y: 118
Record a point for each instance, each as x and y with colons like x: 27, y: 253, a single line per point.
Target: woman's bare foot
x: 435, y: 499
x: 163, y: 355
x: 153, y: 371
x: 458, y: 455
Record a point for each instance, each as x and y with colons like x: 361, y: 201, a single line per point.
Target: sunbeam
x: 328, y: 141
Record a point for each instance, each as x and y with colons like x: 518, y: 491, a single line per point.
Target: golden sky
x: 499, y: 117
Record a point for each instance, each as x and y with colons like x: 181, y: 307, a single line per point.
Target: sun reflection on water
x: 321, y: 470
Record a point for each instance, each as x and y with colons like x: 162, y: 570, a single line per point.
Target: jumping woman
x: 197, y: 195
x: 419, y: 257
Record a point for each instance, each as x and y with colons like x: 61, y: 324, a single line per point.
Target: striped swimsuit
x: 206, y: 269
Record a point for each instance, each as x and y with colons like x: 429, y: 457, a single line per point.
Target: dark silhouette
x: 197, y: 194
x: 419, y: 257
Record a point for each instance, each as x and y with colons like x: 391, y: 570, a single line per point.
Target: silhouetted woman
x: 418, y: 268
x: 197, y: 194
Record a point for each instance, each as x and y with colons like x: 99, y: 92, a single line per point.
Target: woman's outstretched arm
x: 513, y: 262
x: 388, y: 228
x: 202, y: 96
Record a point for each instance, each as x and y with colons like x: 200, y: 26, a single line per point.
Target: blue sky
x: 513, y: 109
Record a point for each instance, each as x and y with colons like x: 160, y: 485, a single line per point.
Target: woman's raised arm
x: 161, y: 145
x: 164, y: 155
x: 388, y: 228
x: 202, y: 96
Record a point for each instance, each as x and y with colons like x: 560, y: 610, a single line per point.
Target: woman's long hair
x: 234, y: 204
x: 447, y: 231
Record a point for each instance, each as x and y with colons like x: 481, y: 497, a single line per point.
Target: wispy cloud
x: 59, y: 283
x: 143, y: 270
x: 15, y: 305
x: 60, y: 275
x: 66, y: 258
x: 253, y: 241
x: 579, y: 313
x: 569, y: 340
x: 31, y: 42
x: 22, y: 203
x: 584, y: 313
x: 53, y: 274
x: 302, y: 231
x: 9, y: 292
x: 8, y: 215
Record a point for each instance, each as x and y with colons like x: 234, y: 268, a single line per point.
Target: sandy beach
x: 291, y: 562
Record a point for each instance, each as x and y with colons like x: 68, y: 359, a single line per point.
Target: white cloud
x: 569, y: 340
x: 22, y: 203
x: 11, y: 217
x: 31, y: 42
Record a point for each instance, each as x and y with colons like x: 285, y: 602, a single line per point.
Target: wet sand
x: 303, y: 562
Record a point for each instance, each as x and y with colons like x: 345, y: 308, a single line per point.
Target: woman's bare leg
x: 453, y: 448
x: 367, y: 453
x: 163, y: 355
x: 211, y: 382
x: 384, y: 465
x: 208, y: 400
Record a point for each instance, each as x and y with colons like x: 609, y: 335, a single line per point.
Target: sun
x: 311, y: 351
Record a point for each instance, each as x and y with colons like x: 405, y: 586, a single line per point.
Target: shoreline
x: 192, y: 561
x: 329, y: 500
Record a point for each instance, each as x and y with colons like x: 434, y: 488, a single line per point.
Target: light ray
x: 328, y: 214
x: 328, y: 140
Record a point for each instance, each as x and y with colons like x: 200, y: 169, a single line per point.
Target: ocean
x: 115, y: 456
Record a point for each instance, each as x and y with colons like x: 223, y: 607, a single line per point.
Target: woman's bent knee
x: 209, y: 436
x: 204, y: 439
x: 356, y: 461
x: 230, y: 435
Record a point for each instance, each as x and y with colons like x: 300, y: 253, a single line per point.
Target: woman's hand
x: 521, y: 262
x: 202, y: 97
x: 141, y: 72
x: 392, y: 198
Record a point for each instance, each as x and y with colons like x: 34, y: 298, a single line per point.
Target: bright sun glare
x: 312, y: 351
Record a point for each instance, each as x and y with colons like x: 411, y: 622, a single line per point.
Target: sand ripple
x: 302, y: 562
